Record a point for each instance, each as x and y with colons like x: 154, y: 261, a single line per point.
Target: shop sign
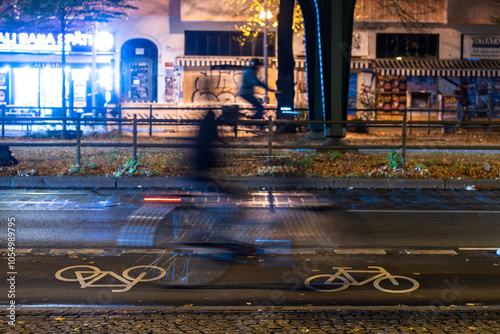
x: 47, y: 42
x: 481, y: 47
x: 450, y: 102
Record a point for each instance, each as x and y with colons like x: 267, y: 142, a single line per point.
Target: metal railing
x: 270, y: 146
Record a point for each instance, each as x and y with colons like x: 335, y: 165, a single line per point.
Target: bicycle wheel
x: 326, y: 283
x: 404, y: 284
x: 85, y: 273
x: 146, y: 273
x: 190, y: 269
x: 196, y: 224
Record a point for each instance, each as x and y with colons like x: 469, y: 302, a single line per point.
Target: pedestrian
x: 250, y: 81
x: 463, y: 100
x: 100, y: 102
x: 204, y: 159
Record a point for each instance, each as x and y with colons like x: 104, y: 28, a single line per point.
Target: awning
x: 199, y: 61
x: 444, y: 68
x: 355, y: 63
x: 205, y: 61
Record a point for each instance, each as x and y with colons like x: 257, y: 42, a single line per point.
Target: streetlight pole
x: 266, y: 15
x: 94, y: 67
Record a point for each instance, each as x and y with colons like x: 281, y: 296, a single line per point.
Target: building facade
x: 185, y: 52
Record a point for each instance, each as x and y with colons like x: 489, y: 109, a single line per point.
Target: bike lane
x: 174, y: 279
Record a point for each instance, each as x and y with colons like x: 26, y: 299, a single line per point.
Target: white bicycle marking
x: 87, y: 276
x: 342, y: 279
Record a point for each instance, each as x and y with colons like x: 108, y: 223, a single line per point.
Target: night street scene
x: 250, y: 166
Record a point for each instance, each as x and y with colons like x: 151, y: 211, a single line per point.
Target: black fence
x: 404, y: 125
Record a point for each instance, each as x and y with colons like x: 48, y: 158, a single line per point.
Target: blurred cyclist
x: 250, y: 81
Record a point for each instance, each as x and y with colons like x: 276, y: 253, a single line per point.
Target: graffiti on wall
x: 218, y: 86
x: 212, y: 86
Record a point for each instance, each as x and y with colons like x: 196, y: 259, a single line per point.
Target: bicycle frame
x: 345, y: 271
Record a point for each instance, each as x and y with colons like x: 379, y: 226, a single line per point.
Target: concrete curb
x: 93, y: 182
x: 180, y: 309
x: 472, y: 184
x: 44, y: 182
x: 348, y: 183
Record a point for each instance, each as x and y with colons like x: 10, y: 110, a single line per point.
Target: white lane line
x: 146, y: 251
x: 479, y: 248
x: 431, y: 252
x: 77, y: 251
x: 360, y: 251
x: 24, y: 250
x: 30, y: 208
x: 18, y: 251
x: 425, y: 211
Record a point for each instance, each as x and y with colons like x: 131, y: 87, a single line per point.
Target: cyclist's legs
x: 259, y: 114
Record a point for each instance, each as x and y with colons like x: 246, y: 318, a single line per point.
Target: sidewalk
x: 188, y: 319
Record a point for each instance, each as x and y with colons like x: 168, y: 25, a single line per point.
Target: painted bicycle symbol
x: 88, y: 276
x: 342, y: 279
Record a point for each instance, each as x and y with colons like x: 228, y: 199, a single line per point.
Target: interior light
x: 104, y: 41
x: 106, y: 78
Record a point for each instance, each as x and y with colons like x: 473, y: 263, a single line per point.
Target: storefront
x: 404, y: 85
x: 31, y: 69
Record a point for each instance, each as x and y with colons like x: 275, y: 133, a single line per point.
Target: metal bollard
x: 403, y: 146
x: 78, y: 137
x: 134, y: 149
x: 150, y: 120
x: 269, y: 140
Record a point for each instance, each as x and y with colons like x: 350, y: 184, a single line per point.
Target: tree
x: 289, y: 20
x: 250, y: 10
x: 496, y: 18
x: 62, y: 15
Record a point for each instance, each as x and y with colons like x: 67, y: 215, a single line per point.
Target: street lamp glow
x: 263, y: 15
x: 104, y: 41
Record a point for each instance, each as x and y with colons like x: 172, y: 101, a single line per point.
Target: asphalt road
x: 442, y: 242
x: 469, y: 278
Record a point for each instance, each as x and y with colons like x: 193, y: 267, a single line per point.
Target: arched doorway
x: 139, y: 68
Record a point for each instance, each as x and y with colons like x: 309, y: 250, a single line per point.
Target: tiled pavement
x: 267, y: 320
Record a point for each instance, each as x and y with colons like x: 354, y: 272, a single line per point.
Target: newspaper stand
x: 448, y: 102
